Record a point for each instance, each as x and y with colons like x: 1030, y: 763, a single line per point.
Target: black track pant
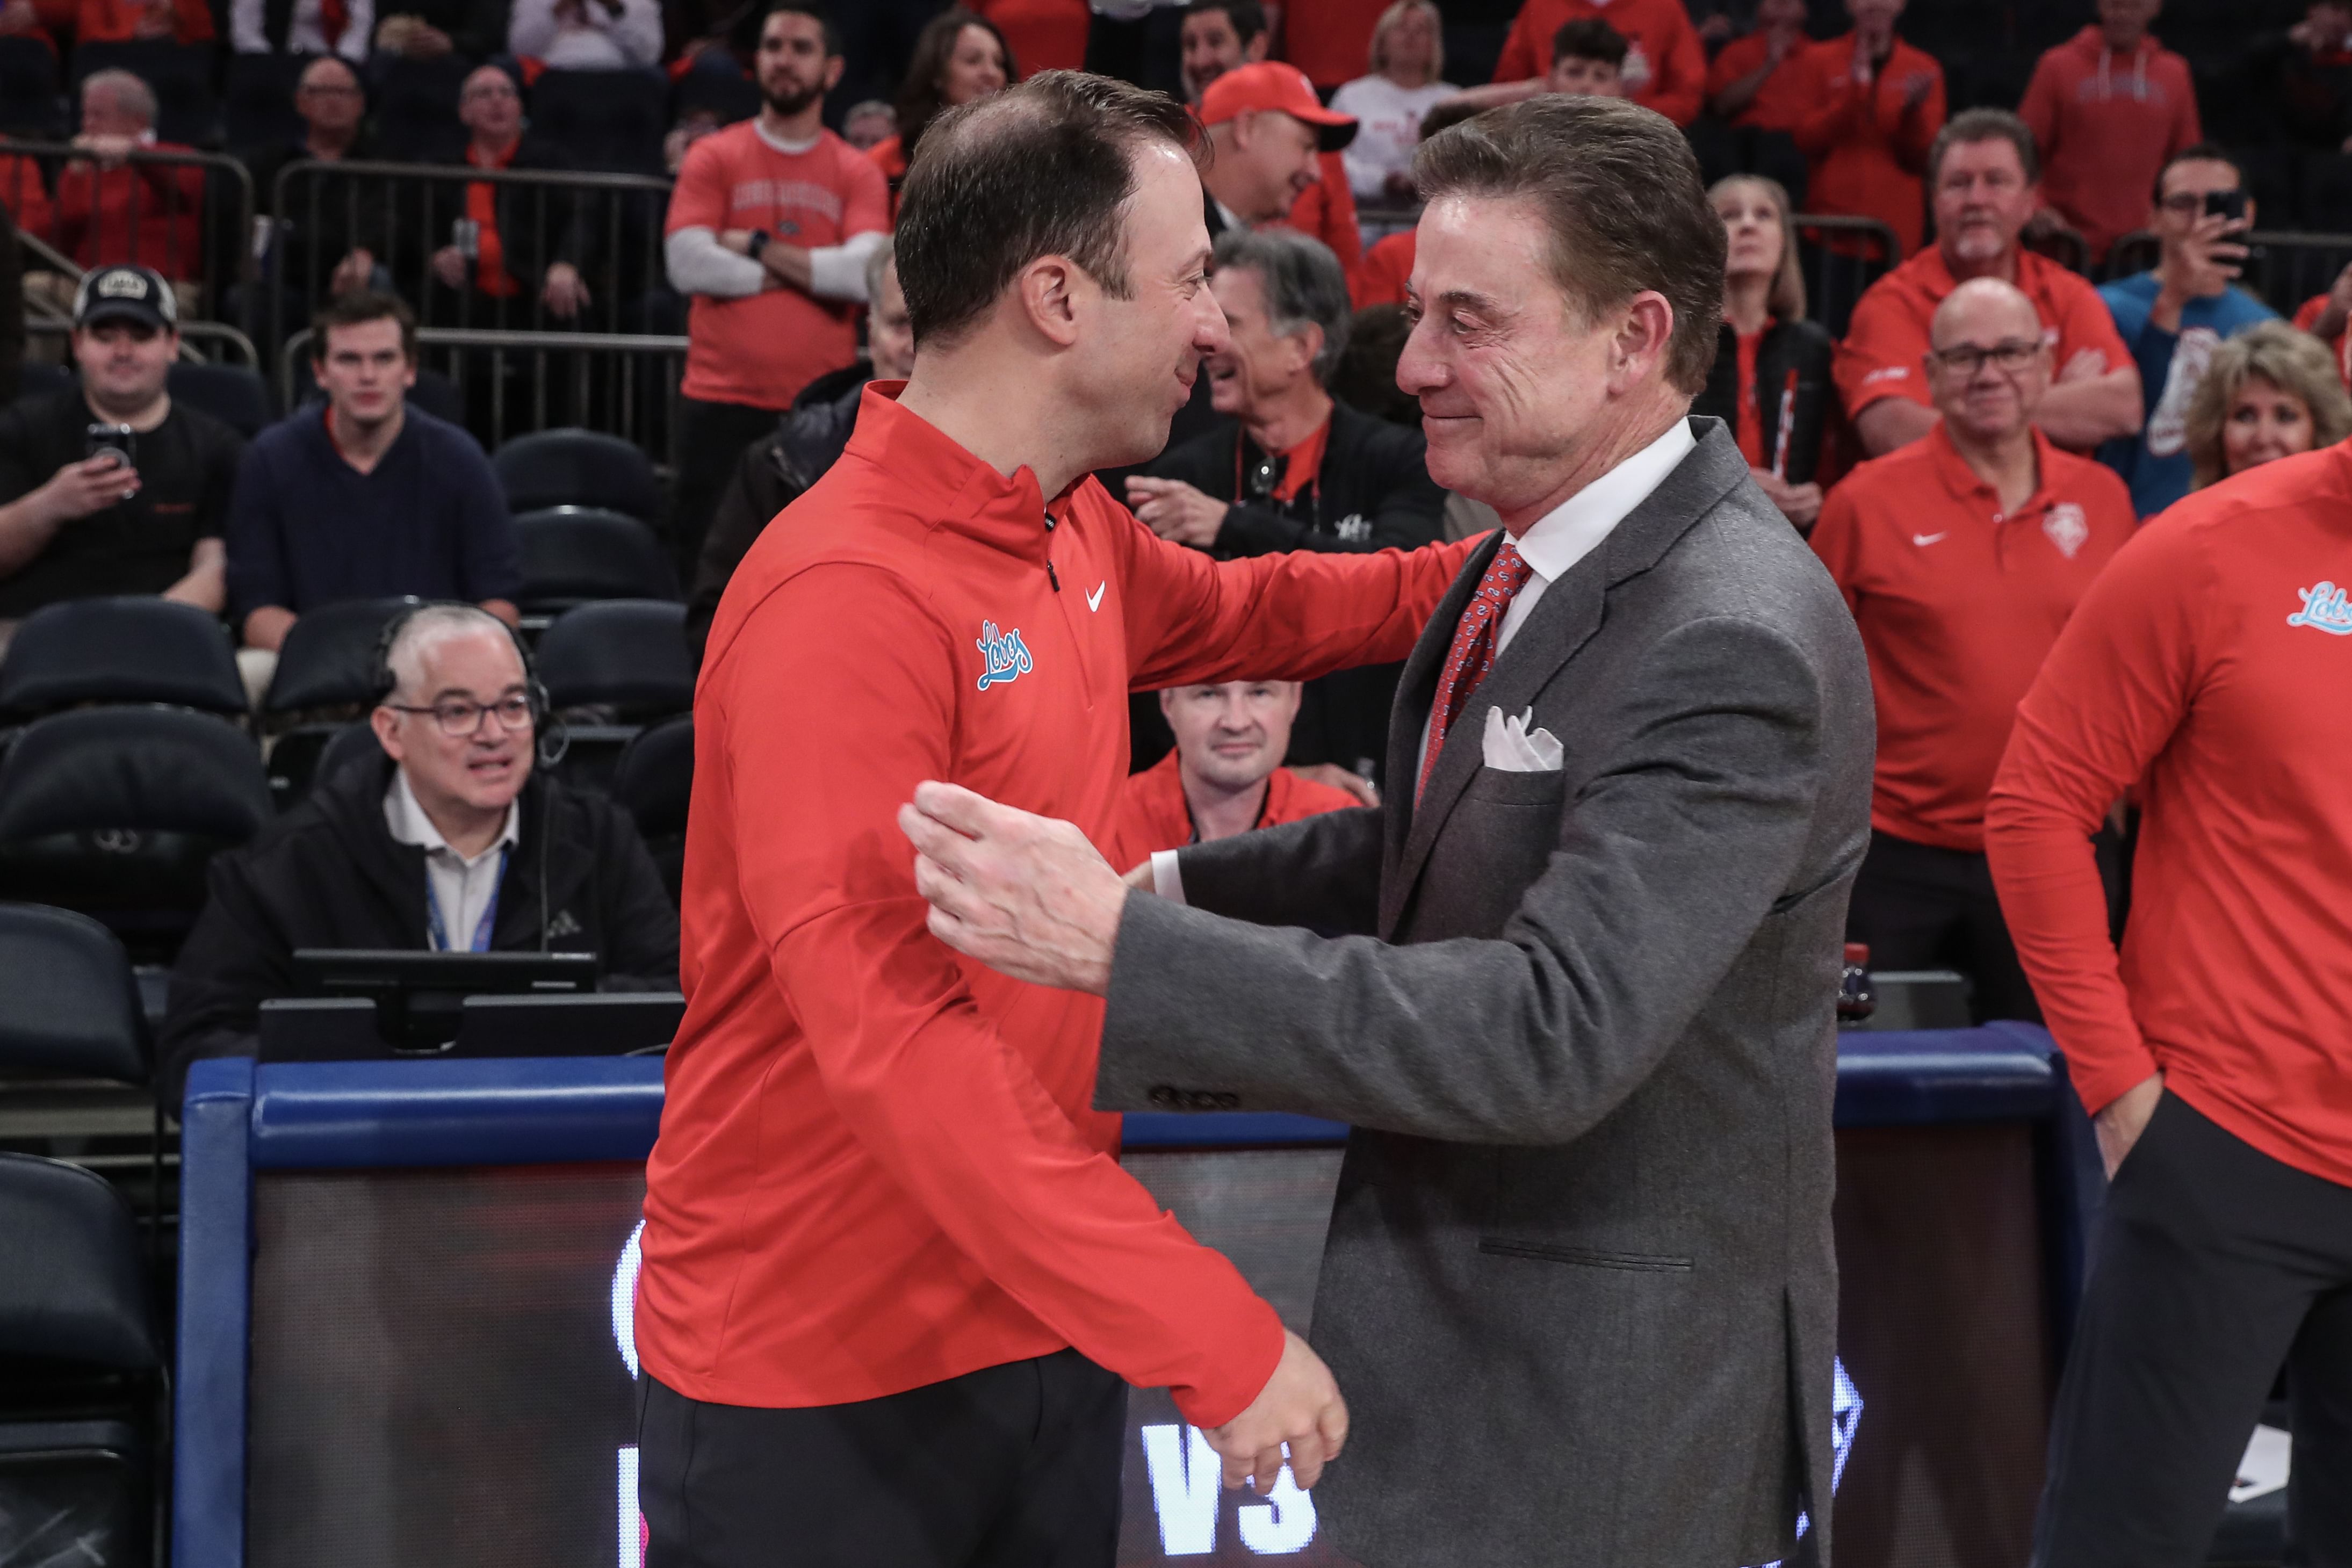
x: 1009, y: 1466
x: 2215, y: 1264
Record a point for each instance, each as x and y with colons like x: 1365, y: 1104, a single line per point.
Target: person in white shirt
x: 1408, y: 60
x: 302, y: 28
x: 587, y: 35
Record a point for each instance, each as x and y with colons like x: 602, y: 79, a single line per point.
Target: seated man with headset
x: 448, y: 840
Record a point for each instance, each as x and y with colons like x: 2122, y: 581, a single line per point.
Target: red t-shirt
x: 1780, y: 102
x: 879, y: 1163
x: 1864, y: 150
x: 2205, y: 670
x: 1044, y: 35
x: 1153, y: 814
x: 2105, y: 124
x: 1379, y: 279
x: 763, y: 348
x: 1887, y: 340
x: 1666, y: 68
x: 1331, y: 40
x: 1959, y: 603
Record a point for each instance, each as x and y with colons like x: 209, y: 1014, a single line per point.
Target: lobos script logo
x: 2324, y: 609
x: 1008, y: 655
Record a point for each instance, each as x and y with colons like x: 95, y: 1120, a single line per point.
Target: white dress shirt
x: 460, y: 888
x: 1555, y: 543
x: 248, y: 29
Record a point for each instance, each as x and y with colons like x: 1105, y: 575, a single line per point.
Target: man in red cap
x: 1266, y: 129
x: 1222, y: 35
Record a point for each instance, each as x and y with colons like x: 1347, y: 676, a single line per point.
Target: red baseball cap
x: 1269, y: 84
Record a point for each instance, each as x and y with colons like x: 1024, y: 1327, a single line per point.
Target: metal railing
x: 511, y: 383
x: 231, y: 346
x: 2284, y: 269
x: 187, y: 214
x: 422, y: 225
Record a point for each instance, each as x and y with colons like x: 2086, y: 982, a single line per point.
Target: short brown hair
x: 1974, y: 125
x: 1621, y: 195
x: 920, y: 97
x: 2294, y: 361
x: 1590, y: 38
x: 356, y: 308
x: 1042, y: 169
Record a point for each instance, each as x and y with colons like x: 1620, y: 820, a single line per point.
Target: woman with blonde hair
x: 2268, y: 392
x: 1771, y: 376
x: 1408, y: 58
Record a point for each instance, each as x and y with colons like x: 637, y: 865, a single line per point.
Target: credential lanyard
x: 482, y: 927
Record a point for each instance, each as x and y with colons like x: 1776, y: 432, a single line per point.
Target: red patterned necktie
x: 1473, y: 654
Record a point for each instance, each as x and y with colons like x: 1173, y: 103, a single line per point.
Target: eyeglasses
x: 460, y: 720
x: 2011, y: 356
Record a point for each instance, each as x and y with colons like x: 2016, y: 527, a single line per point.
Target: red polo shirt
x: 1154, y: 816
x: 2206, y: 670
x: 1326, y: 210
x: 879, y: 1163
x: 1888, y: 336
x: 1959, y: 602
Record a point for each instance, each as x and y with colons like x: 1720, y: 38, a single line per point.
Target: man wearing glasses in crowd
x: 1962, y: 555
x: 446, y: 839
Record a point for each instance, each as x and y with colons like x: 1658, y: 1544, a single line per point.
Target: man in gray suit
x: 1579, y: 1285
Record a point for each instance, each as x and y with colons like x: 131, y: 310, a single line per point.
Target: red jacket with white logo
x: 2208, y: 669
x: 878, y: 1164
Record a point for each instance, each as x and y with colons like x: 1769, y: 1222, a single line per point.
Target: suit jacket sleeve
x: 1667, y: 862
x: 1321, y: 871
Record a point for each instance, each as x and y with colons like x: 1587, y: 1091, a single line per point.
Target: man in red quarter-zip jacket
x: 894, y: 1277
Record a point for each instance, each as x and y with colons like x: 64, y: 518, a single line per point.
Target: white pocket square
x: 1512, y: 747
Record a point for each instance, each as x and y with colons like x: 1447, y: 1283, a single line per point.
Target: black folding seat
x: 82, y: 1392
x: 572, y: 555
x: 120, y: 650
x: 116, y: 812
x: 609, y: 122
x: 233, y: 394
x: 652, y: 782
x: 68, y: 1004
x: 612, y: 667
x: 325, y: 678
x: 31, y: 104
x: 574, y: 467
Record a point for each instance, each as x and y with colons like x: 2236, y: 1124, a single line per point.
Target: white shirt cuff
x: 1166, y: 879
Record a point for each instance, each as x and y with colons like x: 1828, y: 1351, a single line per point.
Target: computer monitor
x: 420, y: 997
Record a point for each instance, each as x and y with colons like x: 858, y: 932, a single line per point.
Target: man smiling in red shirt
x: 894, y: 1276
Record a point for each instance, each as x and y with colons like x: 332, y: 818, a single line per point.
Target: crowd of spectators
x: 1854, y: 366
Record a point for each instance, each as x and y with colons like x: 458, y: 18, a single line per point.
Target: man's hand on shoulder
x: 1299, y: 1406
x: 1026, y: 896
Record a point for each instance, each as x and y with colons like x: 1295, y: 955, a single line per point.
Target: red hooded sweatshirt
x: 2105, y: 123
x: 879, y: 1166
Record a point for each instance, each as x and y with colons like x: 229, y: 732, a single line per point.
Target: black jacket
x: 1801, y: 347
x: 326, y: 218
x: 1372, y: 492
x: 329, y: 874
x: 769, y: 476
x: 537, y: 225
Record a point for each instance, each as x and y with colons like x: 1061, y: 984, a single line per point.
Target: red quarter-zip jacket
x: 878, y: 1164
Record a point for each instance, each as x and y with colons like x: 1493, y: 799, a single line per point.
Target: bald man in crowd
x: 1962, y: 555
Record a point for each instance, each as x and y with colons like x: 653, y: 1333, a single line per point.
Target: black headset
x: 550, y: 736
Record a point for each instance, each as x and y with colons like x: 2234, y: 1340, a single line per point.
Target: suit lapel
x: 1562, y: 622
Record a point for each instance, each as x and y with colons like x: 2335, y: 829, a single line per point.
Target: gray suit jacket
x: 1580, y: 1289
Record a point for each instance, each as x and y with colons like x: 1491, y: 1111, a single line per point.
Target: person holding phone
x: 2175, y: 315
x: 109, y: 487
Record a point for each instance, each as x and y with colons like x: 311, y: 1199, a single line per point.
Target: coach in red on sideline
x: 894, y: 1275
x: 2208, y: 669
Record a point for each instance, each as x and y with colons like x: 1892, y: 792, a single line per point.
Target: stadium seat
x: 416, y: 104
x: 627, y: 655
x: 81, y: 1410
x: 31, y: 103
x: 578, y: 468
x: 116, y: 811
x: 131, y: 649
x: 68, y: 1004
x: 572, y: 555
x: 257, y: 100
x: 181, y: 75
x: 325, y: 678
x: 233, y: 394
x: 612, y: 121
x: 653, y: 781
x: 729, y: 94
x: 352, y: 745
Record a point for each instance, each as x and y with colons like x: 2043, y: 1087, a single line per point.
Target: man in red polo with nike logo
x: 1962, y: 555
x: 895, y: 1281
